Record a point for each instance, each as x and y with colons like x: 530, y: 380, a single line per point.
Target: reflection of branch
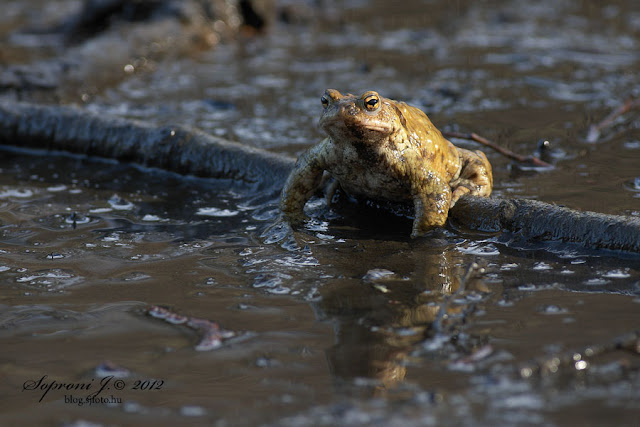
x: 628, y: 105
x: 437, y: 325
x: 576, y: 359
x: 504, y: 151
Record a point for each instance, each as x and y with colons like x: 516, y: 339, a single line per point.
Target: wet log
x: 186, y: 151
x: 531, y: 220
x: 172, y: 148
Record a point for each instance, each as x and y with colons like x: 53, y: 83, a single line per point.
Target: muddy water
x: 364, y: 325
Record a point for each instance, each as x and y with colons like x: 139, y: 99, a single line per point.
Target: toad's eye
x: 325, y: 101
x: 371, y: 102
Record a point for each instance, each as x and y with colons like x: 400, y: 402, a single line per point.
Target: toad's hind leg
x: 475, y: 177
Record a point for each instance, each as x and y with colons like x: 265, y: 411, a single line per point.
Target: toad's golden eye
x: 371, y: 101
x: 325, y: 101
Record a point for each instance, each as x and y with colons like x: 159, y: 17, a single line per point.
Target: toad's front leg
x: 302, y: 182
x: 431, y: 199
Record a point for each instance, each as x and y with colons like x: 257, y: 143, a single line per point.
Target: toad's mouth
x: 348, y: 127
x: 378, y: 128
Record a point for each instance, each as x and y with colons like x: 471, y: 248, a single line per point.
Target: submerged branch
x: 594, y: 130
x: 531, y: 160
x: 192, y: 152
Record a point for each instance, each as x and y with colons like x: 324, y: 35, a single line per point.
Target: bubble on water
x: 279, y: 290
x: 541, y: 266
x: 111, y: 237
x: 151, y: 218
x: 617, y: 274
x: 316, y: 225
x: 322, y: 236
x: 120, y: 204
x: 217, y: 212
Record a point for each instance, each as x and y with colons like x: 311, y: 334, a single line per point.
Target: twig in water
x: 628, y: 105
x: 211, y: 335
x: 504, y: 151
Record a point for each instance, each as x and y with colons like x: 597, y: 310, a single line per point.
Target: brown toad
x: 383, y: 149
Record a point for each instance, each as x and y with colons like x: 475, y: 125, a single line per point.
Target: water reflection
x: 382, y: 316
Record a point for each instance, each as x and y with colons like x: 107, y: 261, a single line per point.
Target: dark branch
x: 531, y: 160
x: 594, y: 130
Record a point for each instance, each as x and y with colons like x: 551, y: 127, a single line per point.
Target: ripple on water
x: 16, y: 193
x: 78, y: 219
x: 298, y: 260
x: 272, y: 282
x: 51, y: 280
x: 56, y: 188
x: 378, y: 274
x: 596, y: 281
x: 135, y: 276
x: 479, y: 248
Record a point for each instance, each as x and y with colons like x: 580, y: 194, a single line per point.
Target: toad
x: 382, y: 149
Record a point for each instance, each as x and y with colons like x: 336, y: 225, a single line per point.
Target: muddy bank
x: 101, y: 42
x: 191, y: 152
